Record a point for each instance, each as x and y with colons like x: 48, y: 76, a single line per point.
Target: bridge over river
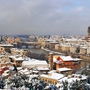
x: 34, y: 44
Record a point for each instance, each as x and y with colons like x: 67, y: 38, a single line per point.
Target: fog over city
x: 44, y: 17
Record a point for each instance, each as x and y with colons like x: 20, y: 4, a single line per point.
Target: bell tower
x: 88, y: 31
x: 51, y: 60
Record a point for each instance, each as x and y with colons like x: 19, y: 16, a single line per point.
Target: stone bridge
x: 34, y: 44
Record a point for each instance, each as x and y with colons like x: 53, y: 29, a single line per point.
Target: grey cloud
x: 40, y: 17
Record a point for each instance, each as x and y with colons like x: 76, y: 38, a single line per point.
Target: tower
x: 51, y: 60
x: 88, y: 31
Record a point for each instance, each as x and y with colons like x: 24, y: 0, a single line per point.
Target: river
x: 40, y: 51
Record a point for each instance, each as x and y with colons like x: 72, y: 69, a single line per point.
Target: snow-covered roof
x: 84, y: 47
x: 34, y: 62
x: 73, y: 39
x: 42, y: 68
x: 27, y: 73
x: 54, y: 42
x: 64, y: 69
x: 10, y: 67
x: 5, y: 45
x: 6, y: 71
x: 73, y: 77
x: 77, y: 59
x: 19, y: 68
x: 17, y: 58
x: 50, y: 40
x: 24, y: 71
x: 52, y: 71
x: 55, y: 76
x: 5, y: 74
x: 34, y: 71
x: 65, y: 58
x: 70, y: 80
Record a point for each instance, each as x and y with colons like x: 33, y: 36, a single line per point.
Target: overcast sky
x: 44, y: 17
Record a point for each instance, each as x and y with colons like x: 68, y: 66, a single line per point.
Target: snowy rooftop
x: 50, y: 40
x: 42, y: 68
x: 35, y: 63
x: 65, y: 58
x: 5, y: 74
x: 6, y: 45
x: 73, y: 39
x: 53, y: 42
x: 31, y: 62
x: 52, y: 71
x: 17, y: 58
x: 64, y: 69
x: 73, y: 77
x: 55, y: 76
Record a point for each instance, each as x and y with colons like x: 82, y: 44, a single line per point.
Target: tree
x: 65, y: 85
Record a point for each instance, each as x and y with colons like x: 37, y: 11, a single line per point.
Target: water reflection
x: 38, y: 51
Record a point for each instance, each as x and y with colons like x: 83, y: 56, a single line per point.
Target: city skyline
x: 44, y: 17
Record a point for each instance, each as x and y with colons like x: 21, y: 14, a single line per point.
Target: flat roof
x: 55, y: 76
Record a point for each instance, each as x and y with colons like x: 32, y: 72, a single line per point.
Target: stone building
x: 2, y: 50
x: 88, y: 50
x: 52, y: 45
x: 22, y: 52
x: 83, y: 50
x: 4, y: 60
x: 74, y: 49
x: 10, y: 40
x: 65, y: 47
x: 73, y: 40
x: 6, y: 47
x: 51, y: 77
x: 17, y: 60
x: 19, y: 42
x: 57, y: 47
x: 66, y: 61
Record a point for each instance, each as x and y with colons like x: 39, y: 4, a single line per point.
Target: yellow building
x: 22, y: 52
x: 57, y: 47
x: 88, y: 50
x: 7, y: 47
x: 2, y: 49
x: 65, y: 47
x: 17, y: 60
x: 83, y: 50
x: 52, y: 44
x: 51, y: 78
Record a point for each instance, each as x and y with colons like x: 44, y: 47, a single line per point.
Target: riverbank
x: 44, y: 53
x: 49, y: 51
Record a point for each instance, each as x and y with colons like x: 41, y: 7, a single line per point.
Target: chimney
x: 51, y: 60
